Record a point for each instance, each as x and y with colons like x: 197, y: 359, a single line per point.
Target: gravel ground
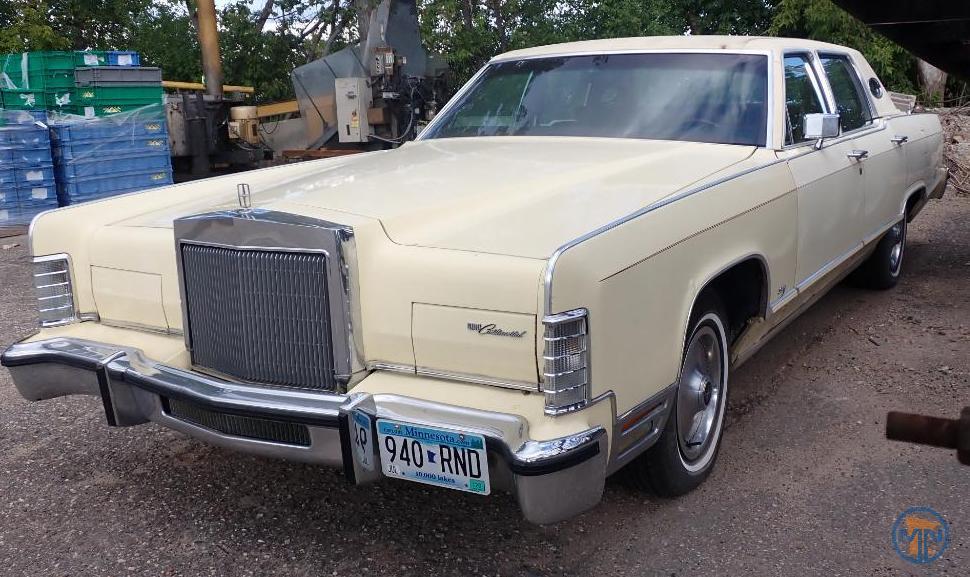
x: 805, y: 484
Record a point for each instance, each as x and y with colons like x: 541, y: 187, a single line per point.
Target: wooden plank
x: 321, y: 153
x: 176, y: 85
x: 275, y: 108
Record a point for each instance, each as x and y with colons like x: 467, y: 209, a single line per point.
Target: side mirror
x: 821, y: 126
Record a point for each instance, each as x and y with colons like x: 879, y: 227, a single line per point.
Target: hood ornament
x: 245, y: 196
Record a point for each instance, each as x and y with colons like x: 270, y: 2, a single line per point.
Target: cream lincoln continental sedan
x: 549, y: 285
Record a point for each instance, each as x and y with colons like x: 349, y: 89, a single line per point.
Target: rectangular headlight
x: 55, y: 295
x: 565, y: 373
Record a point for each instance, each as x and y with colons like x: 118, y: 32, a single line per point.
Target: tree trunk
x: 264, y: 15
x: 499, y: 19
x: 467, y: 14
x: 932, y: 82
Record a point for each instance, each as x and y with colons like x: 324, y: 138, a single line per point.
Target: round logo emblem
x: 920, y: 535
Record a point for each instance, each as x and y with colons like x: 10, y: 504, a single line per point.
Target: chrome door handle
x: 899, y: 140
x: 858, y: 154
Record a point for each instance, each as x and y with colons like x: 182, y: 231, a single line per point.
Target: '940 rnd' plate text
x: 434, y: 456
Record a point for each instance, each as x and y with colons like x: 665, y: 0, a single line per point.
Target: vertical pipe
x: 209, y: 41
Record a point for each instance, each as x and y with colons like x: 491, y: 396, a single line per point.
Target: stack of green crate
x: 39, y: 80
x: 101, y: 100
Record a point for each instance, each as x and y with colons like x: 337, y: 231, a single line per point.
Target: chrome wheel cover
x: 701, y: 394
x: 896, y: 252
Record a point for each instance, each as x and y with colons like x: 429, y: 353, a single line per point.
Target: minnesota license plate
x: 434, y: 456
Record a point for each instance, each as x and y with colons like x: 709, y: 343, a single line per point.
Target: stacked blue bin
x: 100, y: 157
x: 27, y: 185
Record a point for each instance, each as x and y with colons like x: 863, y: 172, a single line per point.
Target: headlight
x: 566, y: 369
x: 55, y: 295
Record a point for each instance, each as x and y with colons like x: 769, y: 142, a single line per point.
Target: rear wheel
x: 685, y: 453
x: 881, y: 270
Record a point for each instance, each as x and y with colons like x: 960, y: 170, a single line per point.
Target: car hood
x: 518, y: 196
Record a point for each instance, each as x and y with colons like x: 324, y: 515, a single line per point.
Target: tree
x: 165, y: 36
x: 823, y: 20
x: 469, y: 32
x: 24, y: 26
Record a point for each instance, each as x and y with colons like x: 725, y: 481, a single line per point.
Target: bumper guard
x: 551, y: 479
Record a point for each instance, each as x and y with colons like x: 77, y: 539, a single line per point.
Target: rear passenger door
x: 828, y: 181
x: 884, y: 166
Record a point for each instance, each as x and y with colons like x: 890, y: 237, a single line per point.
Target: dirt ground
x: 806, y: 484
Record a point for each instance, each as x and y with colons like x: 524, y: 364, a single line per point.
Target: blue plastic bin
x: 83, y: 189
x: 64, y: 151
x: 11, y: 156
x: 18, y: 135
x: 125, y: 164
x: 94, y: 129
x: 26, y: 175
x: 123, y: 58
x: 39, y: 195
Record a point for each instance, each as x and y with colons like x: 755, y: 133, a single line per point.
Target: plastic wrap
x: 27, y: 184
x: 97, y: 157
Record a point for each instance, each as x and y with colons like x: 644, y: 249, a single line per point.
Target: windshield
x: 719, y: 98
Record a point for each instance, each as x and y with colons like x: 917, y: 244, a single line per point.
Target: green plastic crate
x: 49, y: 80
x: 22, y: 99
x: 52, y: 60
x: 119, y: 94
x: 91, y: 110
x: 43, y: 70
x: 90, y: 58
x: 60, y: 98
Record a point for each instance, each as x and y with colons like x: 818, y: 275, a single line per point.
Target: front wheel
x: 685, y: 453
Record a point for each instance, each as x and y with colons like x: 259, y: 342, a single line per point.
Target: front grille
x: 239, y: 426
x: 261, y: 316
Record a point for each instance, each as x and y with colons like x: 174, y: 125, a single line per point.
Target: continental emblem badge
x: 493, y: 330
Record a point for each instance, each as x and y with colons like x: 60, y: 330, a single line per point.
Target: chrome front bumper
x: 552, y: 479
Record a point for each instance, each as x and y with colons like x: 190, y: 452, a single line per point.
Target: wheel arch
x: 913, y: 201
x: 743, y: 286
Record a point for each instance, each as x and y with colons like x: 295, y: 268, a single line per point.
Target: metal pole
x: 209, y: 41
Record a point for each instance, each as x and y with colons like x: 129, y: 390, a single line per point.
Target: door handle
x: 900, y: 140
x: 858, y: 154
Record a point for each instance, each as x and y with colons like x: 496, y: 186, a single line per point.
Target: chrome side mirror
x: 821, y: 126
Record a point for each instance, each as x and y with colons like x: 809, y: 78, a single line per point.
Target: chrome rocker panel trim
x: 551, y: 479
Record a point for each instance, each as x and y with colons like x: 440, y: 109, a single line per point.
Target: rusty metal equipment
x: 209, y: 42
x: 375, y: 94
x: 932, y: 431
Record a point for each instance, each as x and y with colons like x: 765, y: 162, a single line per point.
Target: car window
x: 849, y: 97
x: 699, y: 97
x: 801, y: 97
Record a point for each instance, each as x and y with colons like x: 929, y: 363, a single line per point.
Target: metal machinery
x: 199, y: 122
x: 375, y: 94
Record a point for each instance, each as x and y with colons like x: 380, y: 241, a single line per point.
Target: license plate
x: 434, y: 456
x: 361, y: 440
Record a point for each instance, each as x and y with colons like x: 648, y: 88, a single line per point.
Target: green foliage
x: 262, y: 51
x: 469, y: 32
x: 253, y: 58
x: 823, y: 20
x: 24, y: 27
x: 165, y: 37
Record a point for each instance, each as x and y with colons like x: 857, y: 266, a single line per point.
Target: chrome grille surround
x: 267, y: 298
